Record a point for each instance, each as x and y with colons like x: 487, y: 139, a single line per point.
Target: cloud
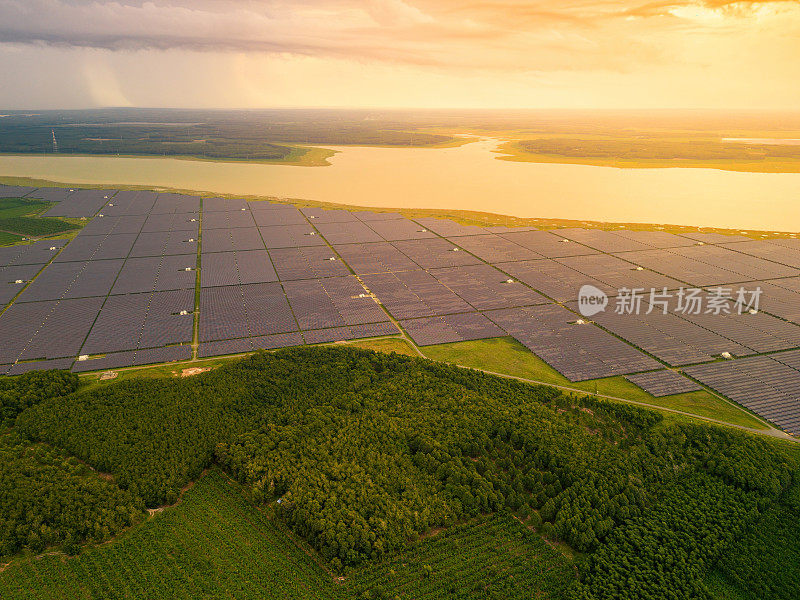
x: 510, y: 35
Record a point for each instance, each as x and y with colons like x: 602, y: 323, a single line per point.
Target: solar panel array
x: 767, y: 385
x: 307, y: 263
x: 552, y: 278
x: 495, y: 249
x: 577, y: 351
x: 654, y: 239
x: 123, y: 288
x: 381, y: 257
x: 20, y: 264
x: 75, y: 203
x: 547, y: 244
x: 400, y: 229
x: 412, y: 294
x: 769, y: 250
x: 604, y: 241
x: 451, y: 328
x: 271, y: 275
x: 707, y: 265
x: 780, y: 297
x: 486, y: 288
x: 435, y: 253
x: 617, y: 273
x: 663, y: 383
x: 15, y: 191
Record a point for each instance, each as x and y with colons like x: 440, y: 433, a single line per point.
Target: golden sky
x: 400, y: 53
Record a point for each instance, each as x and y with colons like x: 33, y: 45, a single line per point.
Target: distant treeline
x: 655, y: 148
x: 239, y: 136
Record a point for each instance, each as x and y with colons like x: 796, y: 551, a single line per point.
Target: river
x: 466, y: 177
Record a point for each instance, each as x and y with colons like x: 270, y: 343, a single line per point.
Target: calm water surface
x: 468, y: 177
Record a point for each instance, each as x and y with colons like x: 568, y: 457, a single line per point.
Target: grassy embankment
x: 509, y: 357
x: 504, y: 356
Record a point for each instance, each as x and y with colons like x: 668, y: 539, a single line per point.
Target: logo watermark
x: 686, y: 301
x: 591, y: 300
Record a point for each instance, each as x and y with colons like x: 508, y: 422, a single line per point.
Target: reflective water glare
x: 468, y: 177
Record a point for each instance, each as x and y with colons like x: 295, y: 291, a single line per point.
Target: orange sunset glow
x: 400, y: 53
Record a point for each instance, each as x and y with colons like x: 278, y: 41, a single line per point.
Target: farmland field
x: 9, y: 238
x: 215, y: 544
x: 490, y: 558
x: 20, y: 217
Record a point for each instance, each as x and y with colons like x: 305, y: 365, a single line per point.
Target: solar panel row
x: 77, y: 204
x: 336, y: 334
x: 577, y: 351
x: 134, y: 358
x: 412, y: 294
x: 767, y: 385
x: 237, y: 346
x: 233, y: 268
x: 451, y: 328
x: 36, y: 253
x: 663, y: 383
x: 380, y: 257
x: 486, y: 288
x: 369, y: 215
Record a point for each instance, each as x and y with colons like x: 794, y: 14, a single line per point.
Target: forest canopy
x: 362, y: 453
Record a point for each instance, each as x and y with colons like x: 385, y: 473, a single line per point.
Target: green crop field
x: 6, y: 239
x: 213, y: 545
x: 216, y: 544
x: 337, y: 472
x: 21, y: 207
x: 36, y: 226
x: 495, y: 557
x: 20, y: 217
